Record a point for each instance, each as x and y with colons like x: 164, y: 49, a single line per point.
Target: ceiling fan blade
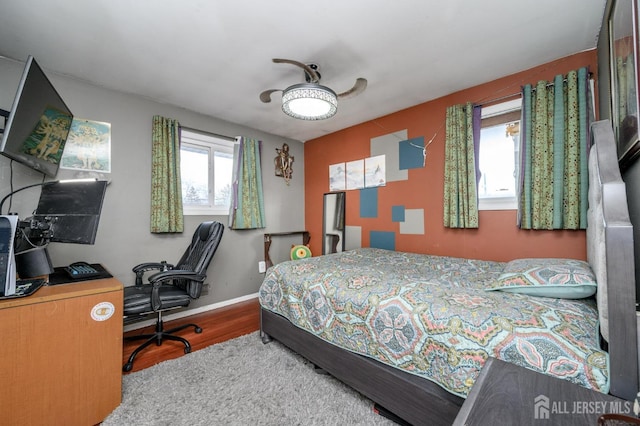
x: 266, y: 95
x: 361, y: 84
x: 310, y: 71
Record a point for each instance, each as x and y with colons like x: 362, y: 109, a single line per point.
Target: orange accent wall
x: 498, y: 237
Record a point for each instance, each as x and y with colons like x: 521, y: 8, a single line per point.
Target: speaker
x: 33, y: 263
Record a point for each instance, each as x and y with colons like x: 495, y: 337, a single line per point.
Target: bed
x: 412, y: 331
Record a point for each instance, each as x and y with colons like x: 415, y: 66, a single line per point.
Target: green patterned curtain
x: 460, y: 170
x: 166, y: 191
x: 247, y: 204
x: 554, y: 177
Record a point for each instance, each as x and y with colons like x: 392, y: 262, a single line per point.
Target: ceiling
x: 214, y: 56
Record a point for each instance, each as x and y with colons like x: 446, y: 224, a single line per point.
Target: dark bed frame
x: 420, y: 401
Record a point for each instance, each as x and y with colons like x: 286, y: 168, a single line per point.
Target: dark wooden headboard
x: 620, y: 264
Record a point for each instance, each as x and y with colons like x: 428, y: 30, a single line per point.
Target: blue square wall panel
x: 369, y: 202
x: 382, y: 240
x: 411, y: 153
x: 397, y: 213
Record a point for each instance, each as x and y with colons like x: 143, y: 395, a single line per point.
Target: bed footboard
x: 412, y: 398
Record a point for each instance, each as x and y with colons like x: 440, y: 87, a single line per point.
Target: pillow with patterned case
x: 547, y: 277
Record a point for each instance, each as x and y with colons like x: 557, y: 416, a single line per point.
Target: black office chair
x: 172, y: 288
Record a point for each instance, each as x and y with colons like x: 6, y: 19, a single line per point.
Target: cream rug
x: 239, y: 382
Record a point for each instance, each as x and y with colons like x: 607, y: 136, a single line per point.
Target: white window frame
x: 212, y: 144
x: 509, y: 202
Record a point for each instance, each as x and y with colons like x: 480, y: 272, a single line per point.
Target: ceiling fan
x: 311, y: 100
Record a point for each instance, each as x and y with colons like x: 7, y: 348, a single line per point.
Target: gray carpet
x: 239, y: 382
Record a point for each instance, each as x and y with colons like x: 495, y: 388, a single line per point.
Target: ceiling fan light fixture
x: 309, y: 101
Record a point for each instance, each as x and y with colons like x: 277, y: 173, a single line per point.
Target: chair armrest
x: 160, y: 277
x: 157, y: 279
x: 149, y: 266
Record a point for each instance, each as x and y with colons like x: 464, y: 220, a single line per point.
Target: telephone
x: 79, y: 270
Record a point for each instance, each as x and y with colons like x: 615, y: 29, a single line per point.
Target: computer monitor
x: 73, y: 209
x: 38, y: 124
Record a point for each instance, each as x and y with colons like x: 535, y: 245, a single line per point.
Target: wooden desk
x: 61, y: 351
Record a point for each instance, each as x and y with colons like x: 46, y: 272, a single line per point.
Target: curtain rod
x: 490, y: 101
x: 513, y: 95
x: 215, y: 135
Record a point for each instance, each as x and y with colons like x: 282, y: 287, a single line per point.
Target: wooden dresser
x: 61, y: 351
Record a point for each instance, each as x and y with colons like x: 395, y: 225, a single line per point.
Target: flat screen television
x: 38, y: 124
x: 72, y: 208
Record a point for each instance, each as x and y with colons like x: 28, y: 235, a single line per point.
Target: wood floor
x: 217, y: 326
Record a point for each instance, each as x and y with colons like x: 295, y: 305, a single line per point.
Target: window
x: 498, y: 160
x: 206, y: 164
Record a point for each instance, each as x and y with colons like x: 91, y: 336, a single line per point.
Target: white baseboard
x: 190, y: 312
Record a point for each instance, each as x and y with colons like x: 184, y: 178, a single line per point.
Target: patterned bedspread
x: 430, y: 316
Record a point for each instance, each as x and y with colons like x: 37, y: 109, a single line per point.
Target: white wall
x: 123, y: 238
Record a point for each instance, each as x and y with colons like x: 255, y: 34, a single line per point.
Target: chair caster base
x: 159, y: 337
